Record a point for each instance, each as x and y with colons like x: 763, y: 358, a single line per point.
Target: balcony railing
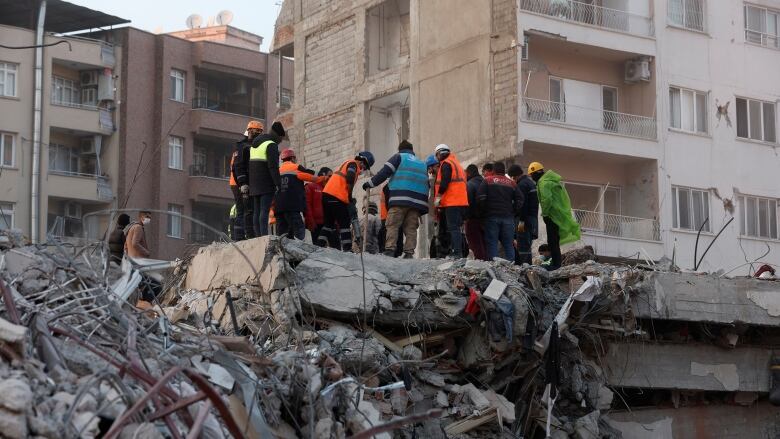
x: 619, y: 226
x: 611, y: 122
x: 613, y: 19
x: 228, y: 107
x: 687, y: 13
x: 204, y: 171
x: 284, y: 98
x: 767, y: 40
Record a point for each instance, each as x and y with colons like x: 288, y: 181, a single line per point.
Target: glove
x: 244, y: 189
x: 520, y: 227
x: 437, y: 202
x: 366, y: 186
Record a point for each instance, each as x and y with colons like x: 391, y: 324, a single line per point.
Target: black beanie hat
x: 278, y: 129
x: 405, y: 145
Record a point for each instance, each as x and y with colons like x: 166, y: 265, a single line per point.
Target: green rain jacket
x: 556, y: 205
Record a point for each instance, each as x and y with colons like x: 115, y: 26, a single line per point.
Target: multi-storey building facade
x: 660, y: 115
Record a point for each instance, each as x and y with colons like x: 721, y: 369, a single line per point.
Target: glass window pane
x: 755, y: 19
x: 684, y: 197
x: 8, y: 150
x: 741, y: 206
x: 773, y: 219
x: 555, y: 90
x: 769, y: 122
x: 742, y: 118
x: 701, y: 112
x: 698, y: 209
x: 755, y: 120
x: 752, y: 218
x: 674, y: 108
x: 676, y: 12
x: 687, y: 110
x: 706, y: 197
x: 763, y: 218
x: 675, y: 223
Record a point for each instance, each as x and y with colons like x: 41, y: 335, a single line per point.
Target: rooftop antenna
x: 194, y: 21
x: 224, y: 18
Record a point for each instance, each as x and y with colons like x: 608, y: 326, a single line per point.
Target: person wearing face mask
x: 135, y: 241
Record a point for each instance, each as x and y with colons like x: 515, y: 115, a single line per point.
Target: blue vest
x: 409, y: 184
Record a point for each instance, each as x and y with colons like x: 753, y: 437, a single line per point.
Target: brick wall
x: 330, y: 67
x: 330, y: 139
x: 504, y: 78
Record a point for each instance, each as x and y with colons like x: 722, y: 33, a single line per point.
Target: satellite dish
x: 224, y: 18
x: 194, y: 21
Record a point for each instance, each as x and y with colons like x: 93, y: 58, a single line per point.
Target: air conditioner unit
x: 637, y: 70
x: 240, y: 88
x: 89, y: 77
x: 87, y: 146
x: 72, y: 210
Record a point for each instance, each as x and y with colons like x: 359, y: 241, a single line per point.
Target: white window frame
x: 176, y: 153
x: 766, y: 38
x: 772, y: 232
x: 59, y: 86
x: 685, y: 11
x: 9, y: 69
x: 4, y: 146
x: 706, y: 209
x: 174, y: 229
x: 683, y: 110
x: 178, y: 85
x: 7, y: 208
x: 761, y: 117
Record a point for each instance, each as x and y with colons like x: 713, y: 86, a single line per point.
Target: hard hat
x: 287, y: 154
x: 441, y: 148
x: 255, y: 124
x: 431, y: 160
x: 535, y: 166
x: 368, y: 157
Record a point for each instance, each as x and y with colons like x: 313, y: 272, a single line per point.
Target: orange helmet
x: 255, y: 124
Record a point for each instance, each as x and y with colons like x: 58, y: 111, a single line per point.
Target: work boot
x: 408, y: 255
x: 390, y: 253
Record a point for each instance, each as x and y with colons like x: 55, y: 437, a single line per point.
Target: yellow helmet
x: 256, y: 124
x: 535, y: 166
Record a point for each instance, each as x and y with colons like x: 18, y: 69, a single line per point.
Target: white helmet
x: 441, y: 148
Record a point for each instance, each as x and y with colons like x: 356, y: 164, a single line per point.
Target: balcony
x: 225, y: 106
x: 593, y: 15
x: 594, y: 119
x: 79, y: 186
x: 80, y: 117
x: 618, y: 226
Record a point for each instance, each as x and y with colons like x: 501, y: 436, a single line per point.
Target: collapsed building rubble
x: 279, y: 338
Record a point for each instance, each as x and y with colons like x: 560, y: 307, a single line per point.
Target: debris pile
x: 279, y: 338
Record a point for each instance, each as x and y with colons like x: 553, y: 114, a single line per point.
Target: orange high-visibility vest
x: 456, y: 194
x: 337, y: 184
x: 382, y: 205
x: 232, y: 160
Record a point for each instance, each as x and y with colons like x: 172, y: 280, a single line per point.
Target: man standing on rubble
x: 501, y: 200
x: 450, y: 197
x: 263, y: 167
x: 556, y: 211
x: 407, y: 197
x: 135, y: 241
x: 239, y: 172
x: 290, y: 201
x: 528, y: 220
x: 475, y: 233
x: 116, y: 240
x: 314, y: 215
x: 337, y: 199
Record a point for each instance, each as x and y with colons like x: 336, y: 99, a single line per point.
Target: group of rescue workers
x: 498, y: 207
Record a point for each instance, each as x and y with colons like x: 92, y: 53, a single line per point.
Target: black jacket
x: 472, y: 187
x: 498, y: 195
x: 292, y: 194
x: 531, y: 204
x: 116, y: 244
x: 239, y: 168
x: 263, y: 175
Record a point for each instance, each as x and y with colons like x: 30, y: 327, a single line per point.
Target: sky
x: 256, y: 16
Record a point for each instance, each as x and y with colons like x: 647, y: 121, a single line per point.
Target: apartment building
x: 659, y: 114
x: 186, y: 99
x: 50, y: 194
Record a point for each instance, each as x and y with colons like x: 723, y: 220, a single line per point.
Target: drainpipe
x: 36, y: 158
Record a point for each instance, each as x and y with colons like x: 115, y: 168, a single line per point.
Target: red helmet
x: 287, y: 154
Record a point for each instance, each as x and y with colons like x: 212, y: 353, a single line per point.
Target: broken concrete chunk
x: 587, y: 427
x: 477, y: 398
x: 411, y: 353
x: 450, y: 304
x: 221, y: 377
x: 495, y: 290
x: 441, y: 399
x: 364, y: 418
x: 431, y: 378
x: 13, y: 425
x: 145, y: 430
x: 15, y: 395
x: 506, y: 409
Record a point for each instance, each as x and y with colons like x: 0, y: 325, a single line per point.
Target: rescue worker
x: 487, y: 169
x: 475, y: 232
x: 314, y: 216
x: 450, y: 197
x: 337, y: 199
x: 436, y: 247
x: 528, y: 220
x: 407, y: 197
x: 290, y: 202
x: 500, y: 200
x: 239, y: 171
x: 263, y: 167
x: 556, y: 211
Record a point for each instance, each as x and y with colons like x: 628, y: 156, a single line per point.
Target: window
x: 687, y: 13
x: 174, y: 220
x: 6, y: 149
x: 387, y: 35
x: 8, y: 79
x: 177, y: 85
x: 557, y: 109
x: 6, y: 216
x: 524, y: 49
x: 69, y: 160
x: 762, y: 26
x: 64, y: 91
x: 690, y: 208
x: 688, y: 110
x: 89, y: 96
x: 758, y: 217
x: 176, y: 152
x: 201, y: 95
x: 609, y: 106
x: 756, y: 120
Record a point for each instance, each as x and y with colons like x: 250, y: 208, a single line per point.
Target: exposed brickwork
x: 311, y: 7
x: 330, y: 67
x: 330, y: 139
x: 504, y: 79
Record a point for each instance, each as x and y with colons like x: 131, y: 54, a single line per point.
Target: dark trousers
x: 554, y: 242
x: 237, y: 231
x: 452, y: 229
x: 335, y: 229
x: 315, y: 234
x: 525, y: 241
x: 262, y: 209
x: 500, y: 229
x: 475, y: 236
x: 290, y: 224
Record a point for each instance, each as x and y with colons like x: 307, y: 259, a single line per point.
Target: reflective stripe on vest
x: 260, y: 152
x: 337, y: 184
x: 233, y: 211
x: 412, y: 175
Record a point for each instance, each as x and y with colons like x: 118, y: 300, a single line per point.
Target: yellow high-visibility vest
x: 260, y: 152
